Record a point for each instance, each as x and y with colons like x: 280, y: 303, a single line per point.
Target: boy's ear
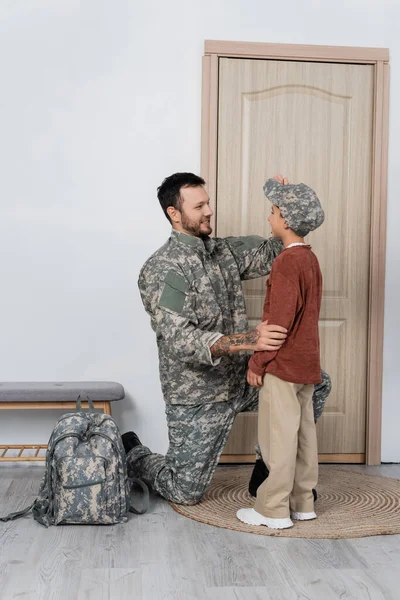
x: 286, y: 226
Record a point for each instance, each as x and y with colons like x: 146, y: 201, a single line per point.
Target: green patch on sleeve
x: 174, y: 292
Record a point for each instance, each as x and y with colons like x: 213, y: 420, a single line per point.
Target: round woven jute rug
x: 350, y: 505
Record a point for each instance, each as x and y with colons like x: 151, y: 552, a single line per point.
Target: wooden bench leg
x: 107, y: 408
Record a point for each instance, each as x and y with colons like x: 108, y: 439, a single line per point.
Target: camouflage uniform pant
x: 197, y: 436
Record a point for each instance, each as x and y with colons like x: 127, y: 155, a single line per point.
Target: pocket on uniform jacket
x: 174, y: 292
x: 206, y: 307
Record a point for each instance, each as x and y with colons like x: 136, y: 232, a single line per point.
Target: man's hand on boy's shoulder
x: 253, y: 379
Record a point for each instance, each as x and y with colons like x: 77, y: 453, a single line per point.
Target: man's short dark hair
x: 168, y: 193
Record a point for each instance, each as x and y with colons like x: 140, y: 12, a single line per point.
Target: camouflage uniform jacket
x: 192, y: 290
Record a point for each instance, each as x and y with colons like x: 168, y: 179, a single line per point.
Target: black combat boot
x: 130, y: 440
x: 259, y: 475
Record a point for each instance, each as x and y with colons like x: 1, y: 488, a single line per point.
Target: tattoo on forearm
x: 252, y: 337
x: 223, y: 346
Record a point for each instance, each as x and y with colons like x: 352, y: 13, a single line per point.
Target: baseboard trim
x: 322, y: 458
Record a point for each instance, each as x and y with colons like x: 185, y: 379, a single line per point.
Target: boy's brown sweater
x: 293, y: 300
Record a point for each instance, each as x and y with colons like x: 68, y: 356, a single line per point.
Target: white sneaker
x: 303, y: 516
x: 252, y: 517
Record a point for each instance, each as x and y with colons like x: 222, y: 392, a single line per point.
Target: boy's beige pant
x: 288, y: 442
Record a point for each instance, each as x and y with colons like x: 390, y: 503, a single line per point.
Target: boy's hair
x: 168, y: 193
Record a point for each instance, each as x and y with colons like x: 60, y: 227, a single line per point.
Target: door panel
x: 312, y: 122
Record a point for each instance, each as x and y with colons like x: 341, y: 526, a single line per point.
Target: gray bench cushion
x: 60, y: 391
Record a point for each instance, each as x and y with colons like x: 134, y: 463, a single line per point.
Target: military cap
x: 298, y: 203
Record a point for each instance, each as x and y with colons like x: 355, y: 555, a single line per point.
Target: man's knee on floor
x: 187, y: 497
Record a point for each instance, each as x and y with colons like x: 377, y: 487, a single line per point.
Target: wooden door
x: 313, y: 122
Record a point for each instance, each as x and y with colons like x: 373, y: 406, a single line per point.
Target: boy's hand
x: 253, y: 379
x: 281, y: 179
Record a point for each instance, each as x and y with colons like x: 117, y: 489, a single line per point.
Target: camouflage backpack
x: 85, y: 480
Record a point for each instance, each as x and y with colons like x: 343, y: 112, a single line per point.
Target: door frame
x: 379, y: 59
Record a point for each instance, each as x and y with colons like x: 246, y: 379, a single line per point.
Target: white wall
x: 99, y: 101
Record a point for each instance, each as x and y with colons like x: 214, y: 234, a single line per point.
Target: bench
x: 55, y: 395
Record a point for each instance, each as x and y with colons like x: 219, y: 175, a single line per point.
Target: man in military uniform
x: 192, y: 290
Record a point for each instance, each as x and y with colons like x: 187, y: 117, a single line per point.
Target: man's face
x: 195, y: 211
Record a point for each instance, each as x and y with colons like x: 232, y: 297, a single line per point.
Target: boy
x: 286, y: 427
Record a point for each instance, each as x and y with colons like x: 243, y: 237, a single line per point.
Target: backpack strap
x: 40, y: 513
x: 18, y: 514
x: 145, y: 498
x: 87, y: 399
x: 39, y: 508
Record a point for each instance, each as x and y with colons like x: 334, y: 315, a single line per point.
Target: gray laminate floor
x: 164, y: 556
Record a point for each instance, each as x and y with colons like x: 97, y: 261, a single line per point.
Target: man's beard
x: 195, y: 228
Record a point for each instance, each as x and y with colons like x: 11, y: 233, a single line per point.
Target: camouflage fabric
x: 197, y: 436
x: 321, y: 393
x: 298, y: 203
x: 192, y: 290
x: 86, y: 480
